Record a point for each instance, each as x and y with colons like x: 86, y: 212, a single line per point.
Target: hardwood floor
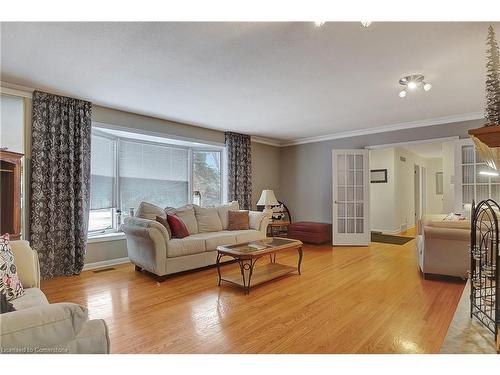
x: 347, y: 300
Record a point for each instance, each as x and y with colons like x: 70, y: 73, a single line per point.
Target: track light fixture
x: 413, y: 82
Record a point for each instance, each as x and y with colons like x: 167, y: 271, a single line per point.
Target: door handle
x: 335, y: 202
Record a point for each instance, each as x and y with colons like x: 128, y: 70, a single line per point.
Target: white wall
x: 434, y: 204
x: 405, y: 189
x: 382, y: 203
x: 392, y: 205
x: 265, y: 170
x: 448, y: 177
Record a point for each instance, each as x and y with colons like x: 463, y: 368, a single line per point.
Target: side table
x: 278, y: 228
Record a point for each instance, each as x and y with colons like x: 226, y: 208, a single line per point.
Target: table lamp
x: 267, y: 199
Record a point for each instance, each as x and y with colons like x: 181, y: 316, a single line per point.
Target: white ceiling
x: 426, y: 150
x: 280, y: 80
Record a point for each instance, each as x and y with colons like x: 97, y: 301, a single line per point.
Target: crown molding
x: 23, y: 91
x: 410, y: 143
x: 15, y: 90
x: 267, y: 141
x: 386, y: 128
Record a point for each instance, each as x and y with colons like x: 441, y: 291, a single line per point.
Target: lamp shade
x: 267, y: 198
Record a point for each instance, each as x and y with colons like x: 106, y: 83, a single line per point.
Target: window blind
x: 103, y: 175
x: 153, y: 173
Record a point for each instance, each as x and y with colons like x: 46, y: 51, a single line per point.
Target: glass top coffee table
x: 247, y: 254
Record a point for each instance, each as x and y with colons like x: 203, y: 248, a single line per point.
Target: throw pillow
x: 223, y: 209
x: 163, y: 221
x: 186, y: 214
x: 149, y: 211
x: 10, y: 284
x: 238, y: 220
x: 177, y: 226
x: 208, y: 219
x: 5, y: 306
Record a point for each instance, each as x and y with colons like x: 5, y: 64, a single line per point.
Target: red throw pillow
x: 177, y: 226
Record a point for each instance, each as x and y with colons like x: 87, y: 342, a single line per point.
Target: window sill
x: 115, y: 236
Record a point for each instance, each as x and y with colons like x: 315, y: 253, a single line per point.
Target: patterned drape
x: 239, y: 153
x: 60, y: 182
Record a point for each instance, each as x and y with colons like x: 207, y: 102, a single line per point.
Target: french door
x: 351, y: 197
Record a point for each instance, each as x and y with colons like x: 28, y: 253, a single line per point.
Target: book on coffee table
x: 258, y: 245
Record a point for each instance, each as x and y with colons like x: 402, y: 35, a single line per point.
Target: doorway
x: 417, y: 192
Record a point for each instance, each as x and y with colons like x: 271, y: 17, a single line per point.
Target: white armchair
x: 39, y: 327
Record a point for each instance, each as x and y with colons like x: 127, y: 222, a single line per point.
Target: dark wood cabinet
x: 10, y: 194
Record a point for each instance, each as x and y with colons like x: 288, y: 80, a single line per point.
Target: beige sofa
x: 442, y: 246
x: 39, y: 327
x: 150, y: 247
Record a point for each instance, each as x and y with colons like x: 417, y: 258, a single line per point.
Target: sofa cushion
x: 214, y: 239
x: 32, y: 297
x: 255, y: 219
x: 26, y: 263
x: 238, y: 220
x: 245, y: 235
x: 208, y: 219
x: 178, y: 247
x: 186, y: 214
x: 177, y: 227
x: 10, y: 284
x: 223, y: 210
x: 164, y: 221
x: 149, y: 211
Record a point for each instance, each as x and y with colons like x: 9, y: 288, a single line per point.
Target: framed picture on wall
x: 378, y: 176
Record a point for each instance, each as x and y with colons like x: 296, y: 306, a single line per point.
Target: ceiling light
x: 412, y: 85
x: 402, y: 93
x: 319, y: 23
x: 366, y: 23
x: 489, y: 173
x: 413, y: 82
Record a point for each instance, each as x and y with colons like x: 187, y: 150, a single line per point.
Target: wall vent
x: 403, y: 159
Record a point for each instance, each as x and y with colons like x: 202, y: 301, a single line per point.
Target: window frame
x: 96, y: 131
x: 114, y: 225
x: 459, y: 183
x: 221, y: 168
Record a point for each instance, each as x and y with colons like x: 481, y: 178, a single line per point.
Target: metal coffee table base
x: 250, y: 275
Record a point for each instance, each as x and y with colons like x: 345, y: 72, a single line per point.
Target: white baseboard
x: 105, y: 263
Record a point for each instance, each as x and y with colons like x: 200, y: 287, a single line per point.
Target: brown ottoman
x: 310, y: 232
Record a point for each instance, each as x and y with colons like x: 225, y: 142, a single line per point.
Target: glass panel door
x: 351, y: 197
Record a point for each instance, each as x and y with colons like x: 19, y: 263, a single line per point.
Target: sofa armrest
x: 93, y: 338
x: 444, y: 251
x: 259, y: 220
x: 138, y: 222
x: 147, y: 242
x: 41, y: 328
x: 26, y: 260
